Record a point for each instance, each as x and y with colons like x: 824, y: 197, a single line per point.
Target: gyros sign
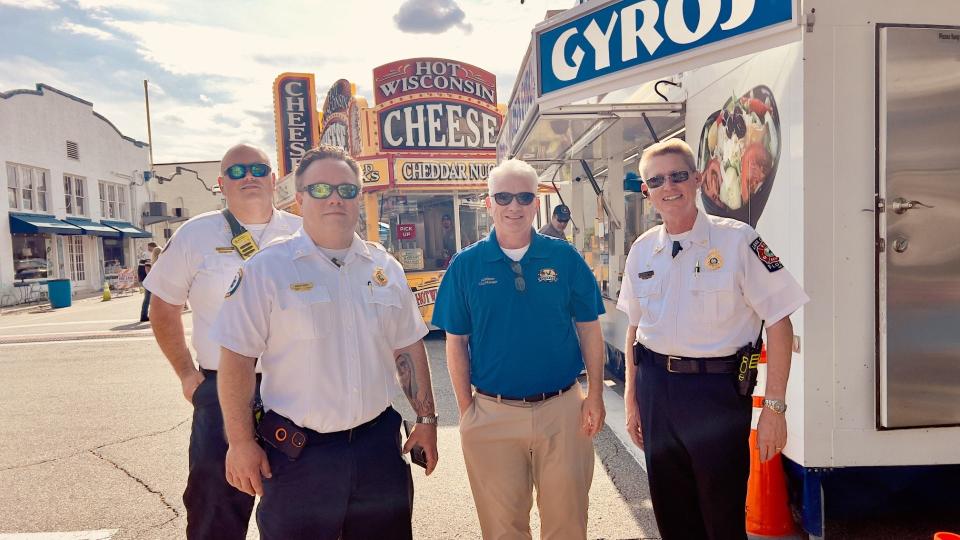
x: 592, y: 43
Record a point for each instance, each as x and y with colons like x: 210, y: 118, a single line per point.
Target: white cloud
x: 30, y: 4
x: 84, y: 30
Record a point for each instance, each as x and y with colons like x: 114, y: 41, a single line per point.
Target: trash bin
x: 59, y: 292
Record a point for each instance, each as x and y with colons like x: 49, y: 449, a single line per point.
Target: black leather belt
x: 315, y: 437
x: 534, y: 398
x: 680, y: 364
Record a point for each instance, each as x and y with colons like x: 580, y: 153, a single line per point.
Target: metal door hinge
x: 810, y: 19
x: 881, y: 205
x: 881, y: 245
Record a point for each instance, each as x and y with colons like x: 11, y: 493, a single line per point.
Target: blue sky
x: 211, y: 64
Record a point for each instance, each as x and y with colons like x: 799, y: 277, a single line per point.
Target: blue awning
x: 40, y: 224
x: 127, y: 230
x: 93, y: 228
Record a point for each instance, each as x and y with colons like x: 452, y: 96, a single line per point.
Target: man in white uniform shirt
x: 696, y: 290
x: 334, y: 325
x: 197, y: 265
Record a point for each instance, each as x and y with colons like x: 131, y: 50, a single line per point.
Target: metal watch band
x: 776, y: 405
x: 432, y: 419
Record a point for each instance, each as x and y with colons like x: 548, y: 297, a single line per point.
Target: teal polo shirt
x: 521, y: 343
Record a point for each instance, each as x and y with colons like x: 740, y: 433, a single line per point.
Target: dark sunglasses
x: 676, y: 177
x: 239, y: 171
x: 523, y: 199
x: 518, y: 280
x: 323, y: 191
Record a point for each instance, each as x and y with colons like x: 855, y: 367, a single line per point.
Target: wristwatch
x: 776, y: 405
x: 431, y: 419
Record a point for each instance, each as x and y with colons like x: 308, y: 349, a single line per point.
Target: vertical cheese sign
x: 295, y: 102
x: 341, y: 117
x: 438, y: 120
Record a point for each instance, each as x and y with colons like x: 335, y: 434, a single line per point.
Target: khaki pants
x: 512, y: 447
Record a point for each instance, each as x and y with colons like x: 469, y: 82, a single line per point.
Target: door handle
x: 901, y: 205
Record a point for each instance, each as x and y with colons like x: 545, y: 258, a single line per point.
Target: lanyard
x: 242, y: 239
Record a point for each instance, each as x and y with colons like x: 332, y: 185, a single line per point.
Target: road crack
x: 95, y: 448
x: 133, y: 477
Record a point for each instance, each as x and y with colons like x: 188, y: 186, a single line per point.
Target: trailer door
x: 918, y: 226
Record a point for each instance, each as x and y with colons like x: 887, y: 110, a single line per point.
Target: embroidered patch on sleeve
x: 235, y: 284
x: 766, y: 256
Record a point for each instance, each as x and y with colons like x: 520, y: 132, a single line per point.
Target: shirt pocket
x: 649, y: 295
x: 713, y: 296
x: 217, y: 272
x: 384, y: 306
x: 305, y: 314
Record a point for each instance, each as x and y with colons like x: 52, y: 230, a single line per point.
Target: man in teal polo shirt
x: 520, y: 312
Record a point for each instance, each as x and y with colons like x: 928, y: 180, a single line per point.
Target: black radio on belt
x: 282, y: 434
x: 747, y: 370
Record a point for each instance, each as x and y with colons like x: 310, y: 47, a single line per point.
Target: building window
x: 31, y: 256
x: 113, y: 200
x: 26, y: 187
x: 75, y: 258
x: 75, y: 194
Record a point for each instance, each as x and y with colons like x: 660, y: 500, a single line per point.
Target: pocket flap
x: 646, y: 287
x: 387, y: 296
x: 712, y: 282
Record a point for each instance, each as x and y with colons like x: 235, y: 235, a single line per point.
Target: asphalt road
x: 95, y: 434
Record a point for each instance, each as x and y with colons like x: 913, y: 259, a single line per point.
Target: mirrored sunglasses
x: 523, y: 199
x: 518, y: 281
x: 239, y: 170
x: 323, y: 191
x: 676, y: 177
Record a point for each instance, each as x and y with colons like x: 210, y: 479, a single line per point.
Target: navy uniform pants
x: 215, y: 509
x: 696, y: 431
x: 351, y: 486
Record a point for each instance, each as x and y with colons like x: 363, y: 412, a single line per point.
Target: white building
x: 183, y: 190
x: 75, y: 190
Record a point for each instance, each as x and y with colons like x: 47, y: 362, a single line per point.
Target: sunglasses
x: 677, y: 177
x: 518, y: 281
x: 239, y: 171
x: 523, y: 199
x: 323, y: 191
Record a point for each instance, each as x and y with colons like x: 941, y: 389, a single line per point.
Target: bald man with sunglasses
x: 197, y: 265
x: 521, y: 310
x: 339, y: 334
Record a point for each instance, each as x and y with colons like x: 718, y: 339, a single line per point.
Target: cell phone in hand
x: 417, y: 454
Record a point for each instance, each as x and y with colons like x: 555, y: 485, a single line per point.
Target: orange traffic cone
x: 768, y: 513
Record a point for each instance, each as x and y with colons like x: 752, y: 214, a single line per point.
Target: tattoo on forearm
x: 407, y: 373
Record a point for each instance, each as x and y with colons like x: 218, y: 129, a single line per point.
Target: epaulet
x: 652, y: 231
x: 272, y: 244
x: 375, y: 245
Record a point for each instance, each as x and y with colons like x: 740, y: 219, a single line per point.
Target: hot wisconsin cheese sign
x: 435, y: 120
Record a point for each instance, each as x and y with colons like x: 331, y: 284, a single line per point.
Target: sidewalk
x: 44, y: 306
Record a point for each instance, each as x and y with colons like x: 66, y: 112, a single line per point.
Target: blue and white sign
x: 616, y: 38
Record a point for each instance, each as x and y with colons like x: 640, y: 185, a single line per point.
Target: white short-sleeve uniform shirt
x: 710, y: 299
x: 325, y: 334
x: 197, y: 265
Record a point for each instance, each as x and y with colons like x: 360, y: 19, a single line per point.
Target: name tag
x: 645, y: 275
x: 300, y: 287
x: 224, y: 250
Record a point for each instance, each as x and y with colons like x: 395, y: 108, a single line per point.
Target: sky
x: 211, y: 64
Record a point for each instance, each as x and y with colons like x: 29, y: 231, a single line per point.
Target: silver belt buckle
x: 670, y: 360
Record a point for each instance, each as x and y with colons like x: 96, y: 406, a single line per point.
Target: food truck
x: 424, y: 149
x: 830, y: 128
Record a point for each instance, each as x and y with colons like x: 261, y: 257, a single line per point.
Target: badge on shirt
x: 714, y: 259
x: 380, y: 276
x: 235, y: 284
x: 766, y: 256
x: 645, y: 275
x: 488, y: 281
x: 547, y: 275
x: 301, y: 287
x: 225, y: 250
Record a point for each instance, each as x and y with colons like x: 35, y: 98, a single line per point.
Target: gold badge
x: 300, y: 287
x: 225, y: 250
x: 380, y: 276
x: 714, y: 260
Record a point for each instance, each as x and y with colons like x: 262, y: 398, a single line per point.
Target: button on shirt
x: 710, y: 299
x: 521, y: 343
x: 325, y: 335
x: 198, y: 264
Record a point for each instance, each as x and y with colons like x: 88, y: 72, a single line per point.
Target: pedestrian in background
x: 143, y: 268
x: 521, y: 312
